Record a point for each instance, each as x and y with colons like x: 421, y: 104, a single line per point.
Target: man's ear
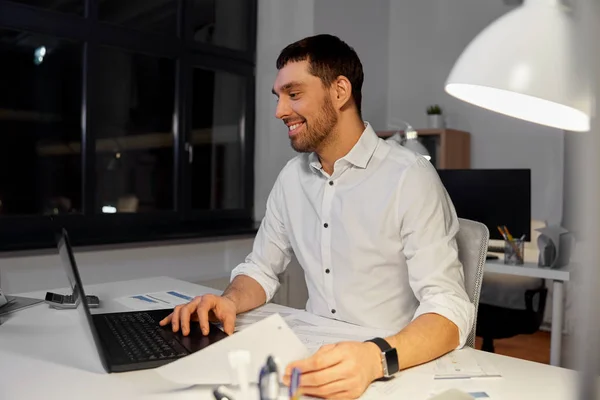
x: 342, y: 89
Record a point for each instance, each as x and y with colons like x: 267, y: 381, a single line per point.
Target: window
x: 40, y: 122
x: 146, y: 15
x: 221, y: 22
x: 66, y: 6
x: 125, y: 120
x: 134, y: 102
x: 217, y: 113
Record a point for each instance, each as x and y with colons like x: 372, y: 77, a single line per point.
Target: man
x: 369, y: 222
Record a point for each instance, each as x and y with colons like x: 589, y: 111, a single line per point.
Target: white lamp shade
x: 417, y: 147
x: 525, y: 65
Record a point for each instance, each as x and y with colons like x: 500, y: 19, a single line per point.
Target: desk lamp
x: 530, y: 64
x: 527, y: 65
x: 410, y: 140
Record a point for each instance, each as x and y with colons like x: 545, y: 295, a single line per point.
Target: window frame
x: 91, y: 228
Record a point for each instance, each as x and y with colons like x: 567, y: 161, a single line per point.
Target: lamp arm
x: 394, y: 126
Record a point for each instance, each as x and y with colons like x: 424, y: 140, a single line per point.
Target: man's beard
x: 319, y: 131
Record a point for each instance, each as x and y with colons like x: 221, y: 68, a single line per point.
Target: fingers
x: 204, y: 308
x: 207, y: 303
x: 326, y: 357
x: 175, y: 318
x: 184, y: 317
x: 228, y: 323
x: 330, y: 390
x: 166, y: 320
x: 181, y: 315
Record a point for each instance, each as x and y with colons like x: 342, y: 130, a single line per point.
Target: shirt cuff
x: 268, y: 284
x: 457, y: 310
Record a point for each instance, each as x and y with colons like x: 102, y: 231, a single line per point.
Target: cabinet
x: 449, y: 148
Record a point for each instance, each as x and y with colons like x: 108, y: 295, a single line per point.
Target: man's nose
x: 283, y: 109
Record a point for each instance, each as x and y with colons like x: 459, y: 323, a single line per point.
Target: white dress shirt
x: 376, y: 239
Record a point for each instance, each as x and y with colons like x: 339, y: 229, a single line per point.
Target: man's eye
x: 293, y: 95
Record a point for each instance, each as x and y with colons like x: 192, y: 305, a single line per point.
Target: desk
x: 558, y: 278
x: 46, y: 353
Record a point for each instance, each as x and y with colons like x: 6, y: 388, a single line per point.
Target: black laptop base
x: 135, y: 341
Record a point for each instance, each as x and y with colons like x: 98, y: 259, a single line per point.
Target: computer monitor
x: 494, y: 197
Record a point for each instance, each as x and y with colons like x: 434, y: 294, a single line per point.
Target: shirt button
x: 333, y: 311
x: 325, y: 224
x: 327, y: 271
x: 330, y: 183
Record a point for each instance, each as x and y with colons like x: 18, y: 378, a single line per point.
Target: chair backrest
x: 472, y: 241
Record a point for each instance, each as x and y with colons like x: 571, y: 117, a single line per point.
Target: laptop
x: 128, y: 341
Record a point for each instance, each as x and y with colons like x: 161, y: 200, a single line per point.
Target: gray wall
x: 280, y: 22
x: 364, y: 26
x: 426, y: 38
x: 194, y: 262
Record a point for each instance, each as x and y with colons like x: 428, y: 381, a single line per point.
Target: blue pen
x: 294, y: 384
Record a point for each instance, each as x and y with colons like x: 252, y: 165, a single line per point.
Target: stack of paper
x: 463, y: 364
x: 245, y: 320
x: 315, y: 331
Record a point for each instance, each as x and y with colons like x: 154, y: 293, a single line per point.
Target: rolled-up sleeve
x: 271, y: 251
x: 428, y: 228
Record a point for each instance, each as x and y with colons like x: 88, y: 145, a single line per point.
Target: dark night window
x: 40, y: 124
x: 145, y: 15
x: 217, y: 118
x: 65, y: 6
x: 125, y: 120
x: 134, y: 98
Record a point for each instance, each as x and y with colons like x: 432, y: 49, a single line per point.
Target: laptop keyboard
x: 140, y: 337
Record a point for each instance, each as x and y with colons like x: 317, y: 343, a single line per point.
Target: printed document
x: 463, y: 364
x: 156, y: 300
x: 315, y: 331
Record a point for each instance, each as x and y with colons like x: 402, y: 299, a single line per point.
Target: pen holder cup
x: 514, y: 252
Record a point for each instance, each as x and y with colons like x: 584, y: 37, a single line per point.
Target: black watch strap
x: 381, y: 343
x: 391, y: 355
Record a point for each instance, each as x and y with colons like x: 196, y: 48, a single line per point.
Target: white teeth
x: 292, y: 127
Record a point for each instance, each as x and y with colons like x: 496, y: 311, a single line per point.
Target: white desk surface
x: 47, y: 354
x: 528, y: 269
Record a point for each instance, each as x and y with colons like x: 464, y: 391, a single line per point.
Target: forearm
x: 246, y: 293
x: 426, y: 338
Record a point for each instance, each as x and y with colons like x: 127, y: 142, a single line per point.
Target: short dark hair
x: 328, y: 57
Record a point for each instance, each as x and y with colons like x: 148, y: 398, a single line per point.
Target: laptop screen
x: 68, y: 260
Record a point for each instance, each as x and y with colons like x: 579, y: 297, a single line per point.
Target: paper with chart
x: 315, y: 331
x: 463, y: 364
x: 155, y: 300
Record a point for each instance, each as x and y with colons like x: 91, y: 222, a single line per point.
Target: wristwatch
x: 389, y: 357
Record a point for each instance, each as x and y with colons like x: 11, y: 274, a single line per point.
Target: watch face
x: 391, y: 359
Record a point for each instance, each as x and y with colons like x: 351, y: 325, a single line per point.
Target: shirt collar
x: 359, y: 155
x: 363, y: 150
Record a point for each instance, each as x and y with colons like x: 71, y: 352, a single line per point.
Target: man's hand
x: 203, y: 309
x: 338, y: 371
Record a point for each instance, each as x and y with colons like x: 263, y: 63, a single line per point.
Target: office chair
x: 472, y: 241
x: 495, y: 322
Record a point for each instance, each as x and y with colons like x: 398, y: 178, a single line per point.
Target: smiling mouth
x: 295, y: 128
